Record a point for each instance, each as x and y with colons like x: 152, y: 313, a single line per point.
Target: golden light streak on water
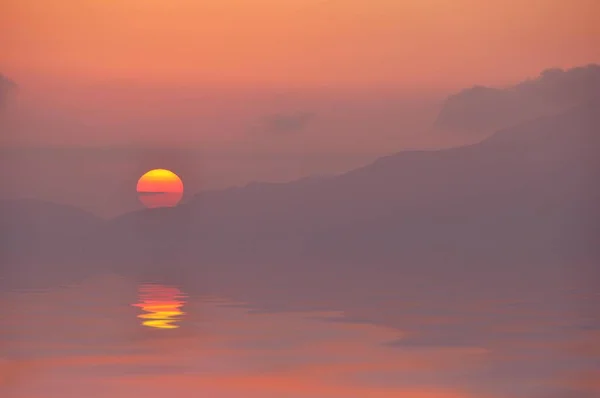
x: 161, y: 306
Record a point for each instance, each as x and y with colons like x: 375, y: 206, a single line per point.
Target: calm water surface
x: 110, y: 336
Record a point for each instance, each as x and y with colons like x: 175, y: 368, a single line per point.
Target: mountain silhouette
x: 32, y: 229
x: 528, y: 193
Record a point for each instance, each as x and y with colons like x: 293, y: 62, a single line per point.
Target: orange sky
x: 416, y: 43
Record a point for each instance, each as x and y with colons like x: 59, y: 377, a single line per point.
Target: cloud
x: 288, y: 122
x: 560, y: 86
x: 570, y: 393
x: 6, y: 87
x: 481, y: 109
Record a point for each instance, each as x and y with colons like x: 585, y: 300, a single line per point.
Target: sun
x: 160, y: 188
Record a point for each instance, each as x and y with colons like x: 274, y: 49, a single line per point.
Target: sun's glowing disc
x: 160, y: 188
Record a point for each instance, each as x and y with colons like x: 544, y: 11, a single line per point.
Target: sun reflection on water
x: 161, y: 306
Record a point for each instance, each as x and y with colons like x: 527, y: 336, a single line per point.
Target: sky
x: 406, y: 43
x: 250, y: 75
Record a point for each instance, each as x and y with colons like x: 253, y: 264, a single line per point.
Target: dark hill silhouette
x: 527, y: 192
x: 35, y: 229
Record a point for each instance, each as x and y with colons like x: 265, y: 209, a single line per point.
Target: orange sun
x: 160, y: 188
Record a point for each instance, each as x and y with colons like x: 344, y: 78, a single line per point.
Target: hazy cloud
x: 288, y: 122
x: 570, y: 393
x: 6, y: 86
x: 563, y: 86
x: 482, y: 109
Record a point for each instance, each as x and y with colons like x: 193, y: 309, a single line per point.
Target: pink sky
x: 405, y: 43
